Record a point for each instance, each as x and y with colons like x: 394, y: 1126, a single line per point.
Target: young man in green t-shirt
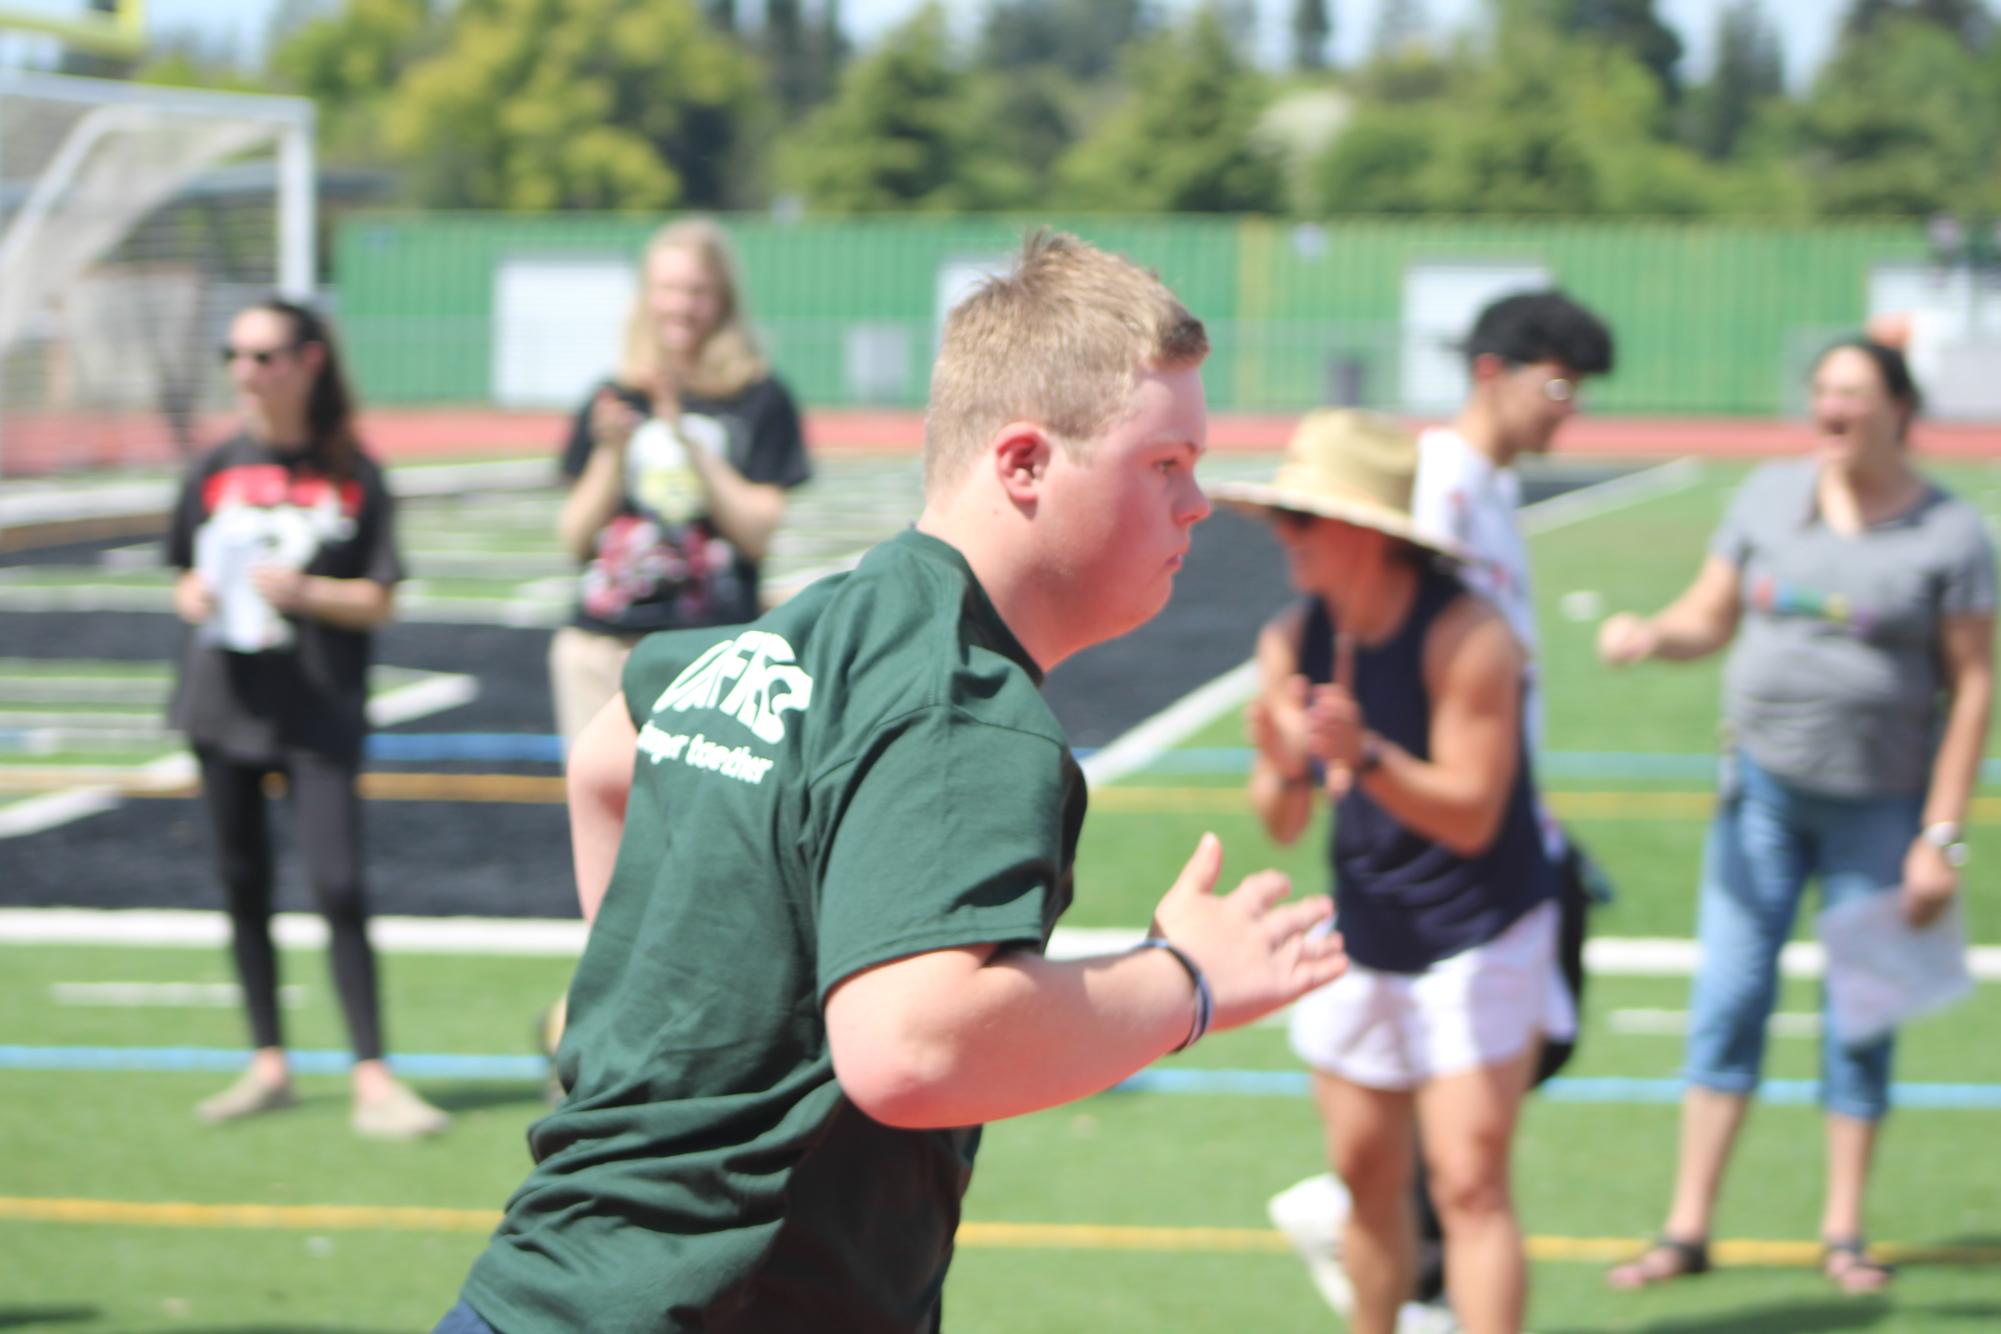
x: 823, y: 854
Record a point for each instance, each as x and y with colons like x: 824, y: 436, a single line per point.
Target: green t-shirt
x: 867, y: 772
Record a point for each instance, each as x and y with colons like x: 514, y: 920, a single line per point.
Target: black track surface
x: 512, y: 859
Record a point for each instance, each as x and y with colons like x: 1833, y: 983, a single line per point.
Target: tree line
x: 1560, y: 107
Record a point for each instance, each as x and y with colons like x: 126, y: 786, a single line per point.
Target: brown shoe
x: 248, y: 1096
x: 397, y: 1114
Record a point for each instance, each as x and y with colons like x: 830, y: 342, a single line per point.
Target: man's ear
x: 1021, y: 453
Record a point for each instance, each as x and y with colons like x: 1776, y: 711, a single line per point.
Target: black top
x: 660, y: 564
x: 312, y: 694
x: 1403, y: 901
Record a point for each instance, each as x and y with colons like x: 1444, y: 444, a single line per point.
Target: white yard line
x: 1143, y: 744
x: 35, y: 814
x: 435, y: 693
x: 163, y: 995
x: 1674, y: 1023
x: 1606, y: 956
x: 1591, y: 502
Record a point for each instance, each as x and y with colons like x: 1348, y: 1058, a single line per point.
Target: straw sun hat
x: 1349, y: 466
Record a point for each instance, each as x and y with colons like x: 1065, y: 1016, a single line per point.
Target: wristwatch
x: 1945, y: 837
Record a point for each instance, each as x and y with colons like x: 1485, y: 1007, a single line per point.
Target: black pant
x: 326, y: 816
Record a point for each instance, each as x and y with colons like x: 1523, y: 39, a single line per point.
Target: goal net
x: 134, y: 220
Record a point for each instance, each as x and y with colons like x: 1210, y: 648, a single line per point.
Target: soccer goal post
x: 134, y: 220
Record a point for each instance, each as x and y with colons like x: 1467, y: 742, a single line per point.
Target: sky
x: 1806, y: 27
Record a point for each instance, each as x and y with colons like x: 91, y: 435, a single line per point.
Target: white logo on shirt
x: 766, y: 685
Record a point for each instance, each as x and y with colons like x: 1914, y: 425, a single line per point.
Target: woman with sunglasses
x: 285, y: 541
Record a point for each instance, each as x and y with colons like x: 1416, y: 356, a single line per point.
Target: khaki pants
x: 584, y: 672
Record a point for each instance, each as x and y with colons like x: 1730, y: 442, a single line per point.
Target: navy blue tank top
x: 1402, y: 901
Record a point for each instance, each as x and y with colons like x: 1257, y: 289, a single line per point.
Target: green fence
x: 1711, y: 319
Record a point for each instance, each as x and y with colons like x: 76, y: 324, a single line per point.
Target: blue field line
x: 1246, y: 1083
x: 1782, y: 1092
x: 492, y: 747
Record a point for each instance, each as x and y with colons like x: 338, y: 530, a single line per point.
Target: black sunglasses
x: 263, y: 356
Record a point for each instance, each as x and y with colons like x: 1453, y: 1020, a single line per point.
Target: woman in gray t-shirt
x: 1860, y: 598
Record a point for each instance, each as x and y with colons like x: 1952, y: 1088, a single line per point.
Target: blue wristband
x: 1205, y: 999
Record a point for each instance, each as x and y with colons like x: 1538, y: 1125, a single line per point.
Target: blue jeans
x: 462, y: 1319
x: 1767, y: 839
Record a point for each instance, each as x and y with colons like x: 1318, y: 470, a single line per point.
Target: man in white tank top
x: 1527, y: 358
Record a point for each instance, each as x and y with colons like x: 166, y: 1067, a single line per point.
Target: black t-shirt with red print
x: 660, y: 563
x: 311, y: 693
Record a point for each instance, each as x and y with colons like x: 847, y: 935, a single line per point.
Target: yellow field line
x: 1043, y: 1236
x: 312, y: 1217
x: 1103, y: 1237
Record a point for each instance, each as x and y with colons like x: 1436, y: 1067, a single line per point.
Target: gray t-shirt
x: 1835, y: 680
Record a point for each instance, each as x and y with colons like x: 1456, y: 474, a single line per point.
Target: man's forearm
x: 1014, y: 1033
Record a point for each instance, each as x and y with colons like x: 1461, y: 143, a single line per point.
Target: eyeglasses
x: 1293, y: 520
x: 1557, y: 388
x: 263, y: 356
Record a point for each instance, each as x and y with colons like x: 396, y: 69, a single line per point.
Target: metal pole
x: 296, y: 201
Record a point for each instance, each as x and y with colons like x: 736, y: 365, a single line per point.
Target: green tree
x: 350, y: 62
x: 1311, y: 28
x: 1381, y: 163
x: 1180, y: 141
x: 908, y: 129
x: 1633, y: 26
x: 1081, y: 37
x: 587, y: 104
x: 1749, y: 76
x: 804, y: 57
x: 1902, y: 121
x: 1400, y: 24
x: 1540, y: 125
x: 1967, y: 20
x: 830, y: 47
x: 1630, y: 25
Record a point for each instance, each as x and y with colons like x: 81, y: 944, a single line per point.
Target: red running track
x: 30, y: 445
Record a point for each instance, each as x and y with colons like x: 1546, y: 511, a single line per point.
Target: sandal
x: 1665, y: 1260
x: 1847, y: 1264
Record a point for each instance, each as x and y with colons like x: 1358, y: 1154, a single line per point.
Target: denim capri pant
x: 1768, y: 838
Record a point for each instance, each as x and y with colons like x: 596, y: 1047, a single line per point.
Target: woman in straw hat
x: 1398, y: 693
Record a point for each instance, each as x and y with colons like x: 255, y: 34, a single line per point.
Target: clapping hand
x: 1334, y: 721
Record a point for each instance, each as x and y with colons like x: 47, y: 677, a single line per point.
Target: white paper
x: 227, y: 549
x: 1883, y: 972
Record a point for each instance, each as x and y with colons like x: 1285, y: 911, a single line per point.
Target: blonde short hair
x: 729, y: 360
x: 1058, y: 341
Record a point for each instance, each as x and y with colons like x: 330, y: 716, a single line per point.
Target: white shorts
x: 1479, y: 1007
